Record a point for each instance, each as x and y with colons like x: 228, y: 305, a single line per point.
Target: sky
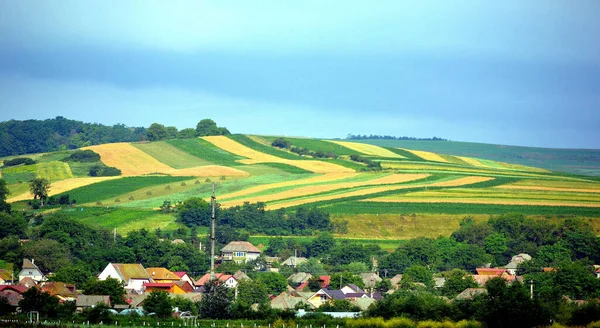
x: 504, y: 72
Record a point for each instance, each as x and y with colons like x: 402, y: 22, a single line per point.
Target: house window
x: 239, y: 254
x: 323, y: 298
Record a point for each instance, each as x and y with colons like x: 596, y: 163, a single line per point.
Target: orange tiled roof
x: 162, y: 274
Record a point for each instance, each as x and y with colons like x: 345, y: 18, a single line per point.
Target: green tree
x: 40, y: 187
x: 194, y: 212
x: 495, y: 245
x: 159, y: 303
x: 274, y: 282
x: 72, y: 274
x: 36, y: 300
x: 208, y: 127
x: 357, y: 267
x: 346, y: 278
x: 187, y: 133
x: 12, y: 225
x: 110, y: 286
x: 312, y: 266
x: 321, y: 245
x: 5, y: 307
x: 457, y: 280
x: 339, y: 306
x: 216, y: 301
x: 50, y: 255
x: 4, y: 192
x: 156, y: 132
x: 418, y: 273
x: 252, y: 292
x: 171, y: 132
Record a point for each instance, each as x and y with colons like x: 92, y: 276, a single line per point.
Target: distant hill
x: 579, y: 161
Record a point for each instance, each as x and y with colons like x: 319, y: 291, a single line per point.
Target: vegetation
x: 18, y: 161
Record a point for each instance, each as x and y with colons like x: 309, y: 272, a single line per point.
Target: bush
x: 19, y: 160
x: 104, y: 171
x: 281, y: 143
x: 83, y: 156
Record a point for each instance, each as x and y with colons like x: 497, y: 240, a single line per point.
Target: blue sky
x: 513, y: 72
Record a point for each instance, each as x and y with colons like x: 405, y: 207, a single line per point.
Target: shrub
x: 131, y: 198
x: 104, y: 171
x: 281, y: 143
x: 83, y: 156
x: 18, y: 161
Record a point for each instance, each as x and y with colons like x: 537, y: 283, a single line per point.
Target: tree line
x: 351, y: 136
x: 59, y: 133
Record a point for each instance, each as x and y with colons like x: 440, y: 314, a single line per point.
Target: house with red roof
x: 227, y: 280
x: 184, y: 276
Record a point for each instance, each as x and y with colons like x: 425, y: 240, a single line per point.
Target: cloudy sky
x: 509, y: 72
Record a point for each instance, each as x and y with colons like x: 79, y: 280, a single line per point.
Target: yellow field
x: 256, y: 157
x: 309, y: 190
x: 428, y: 156
x: 367, y: 149
x: 548, y: 188
x: 578, y: 185
x: 64, y: 185
x: 128, y: 159
x: 374, y: 190
x: 132, y: 161
x: 433, y: 168
x: 316, y: 179
x: 488, y: 201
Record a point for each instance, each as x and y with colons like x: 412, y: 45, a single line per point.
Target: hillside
x: 578, y: 161
x: 382, y: 192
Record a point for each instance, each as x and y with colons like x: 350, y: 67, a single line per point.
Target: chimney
x: 32, y: 261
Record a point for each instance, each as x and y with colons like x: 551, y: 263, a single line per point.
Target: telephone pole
x: 212, y: 234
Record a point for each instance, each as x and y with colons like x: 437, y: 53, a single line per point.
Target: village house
x: 227, y: 280
x: 173, y: 287
x: 6, y: 277
x: 349, y: 292
x: 132, y: 276
x: 64, y: 292
x: 30, y: 270
x: 162, y: 275
x: 294, y: 261
x: 89, y: 301
x: 240, y: 252
x: 184, y: 276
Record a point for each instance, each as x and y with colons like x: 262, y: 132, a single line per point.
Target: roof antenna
x: 212, y: 234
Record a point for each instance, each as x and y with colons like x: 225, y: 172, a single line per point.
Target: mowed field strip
x: 367, y: 149
x: 171, y: 155
x: 63, y: 186
x: 255, y: 157
x: 373, y: 190
x: 310, y: 190
x: 133, y: 162
x: 428, y: 156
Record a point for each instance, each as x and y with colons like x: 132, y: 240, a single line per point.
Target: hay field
x: 428, y: 156
x: 171, y: 155
x: 129, y: 159
x: 255, y: 157
x: 63, y: 186
x: 315, y: 189
x: 367, y: 149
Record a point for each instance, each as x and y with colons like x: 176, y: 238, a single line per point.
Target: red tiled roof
x: 206, y: 278
x: 180, y: 274
x: 159, y: 284
x: 17, y: 288
x: 324, y: 281
x: 490, y: 271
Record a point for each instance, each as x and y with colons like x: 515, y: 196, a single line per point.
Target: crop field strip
x: 367, y: 149
x: 62, y: 186
x: 579, y: 184
x: 370, y: 189
x: 254, y: 156
x: 320, y: 188
x: 317, y: 145
x: 112, y: 188
x: 434, y: 167
x: 134, y: 162
x: 428, y: 156
x: 206, y: 151
x: 261, y: 147
x: 170, y: 155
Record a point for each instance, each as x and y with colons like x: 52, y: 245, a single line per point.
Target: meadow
x: 419, y: 191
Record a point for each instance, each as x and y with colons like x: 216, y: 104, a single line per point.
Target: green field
x: 579, y: 161
x: 168, y: 154
x: 206, y: 151
x: 317, y: 145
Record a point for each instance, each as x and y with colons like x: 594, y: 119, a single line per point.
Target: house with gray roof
x: 240, y: 252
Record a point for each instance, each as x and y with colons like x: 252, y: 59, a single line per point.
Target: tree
x: 194, y: 212
x: 5, y: 307
x: 252, y: 292
x: 495, y: 245
x: 72, y: 274
x: 36, y: 300
x: 321, y: 245
x: 418, y: 273
x: 207, y: 127
x: 187, y: 133
x: 456, y: 281
x: 312, y: 266
x: 274, y: 282
x: 346, y: 278
x: 159, y: 303
x: 40, y: 187
x: 50, y: 255
x: 12, y: 225
x: 216, y: 301
x: 4, y: 192
x: 156, y: 132
x: 110, y: 286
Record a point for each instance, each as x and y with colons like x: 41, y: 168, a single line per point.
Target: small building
x: 294, y: 261
x: 227, y: 280
x: 470, y: 294
x: 64, y: 292
x: 89, y: 301
x: 240, y: 252
x: 30, y: 270
x: 184, y: 276
x: 132, y: 276
x: 162, y: 275
x: 168, y: 287
x: 298, y: 278
x: 13, y: 294
x: 286, y: 300
x: 6, y: 277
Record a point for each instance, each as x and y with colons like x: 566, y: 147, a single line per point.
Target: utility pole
x: 531, y: 288
x: 212, y: 235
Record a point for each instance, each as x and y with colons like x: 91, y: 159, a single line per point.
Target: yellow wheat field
x: 309, y: 190
x: 367, y: 149
x: 316, y: 179
x: 128, y: 159
x: 428, y: 156
x: 374, y: 190
x: 540, y: 188
x: 256, y: 157
x: 63, y: 186
x: 572, y: 184
x: 207, y: 170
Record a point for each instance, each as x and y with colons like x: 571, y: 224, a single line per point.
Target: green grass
x: 113, y: 188
x: 286, y: 168
x: 318, y: 145
x: 206, y: 151
x: 52, y: 171
x: 168, y: 154
x: 578, y: 161
x: 82, y: 169
x: 364, y: 207
x: 385, y: 244
x: 20, y: 173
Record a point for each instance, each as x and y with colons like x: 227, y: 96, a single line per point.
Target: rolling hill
x: 388, y: 192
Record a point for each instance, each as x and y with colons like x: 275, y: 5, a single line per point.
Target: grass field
x: 170, y: 155
x: 367, y: 149
x: 129, y: 159
x: 206, y: 151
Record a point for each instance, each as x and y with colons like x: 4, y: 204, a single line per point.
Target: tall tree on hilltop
x: 40, y: 187
x: 208, y: 127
